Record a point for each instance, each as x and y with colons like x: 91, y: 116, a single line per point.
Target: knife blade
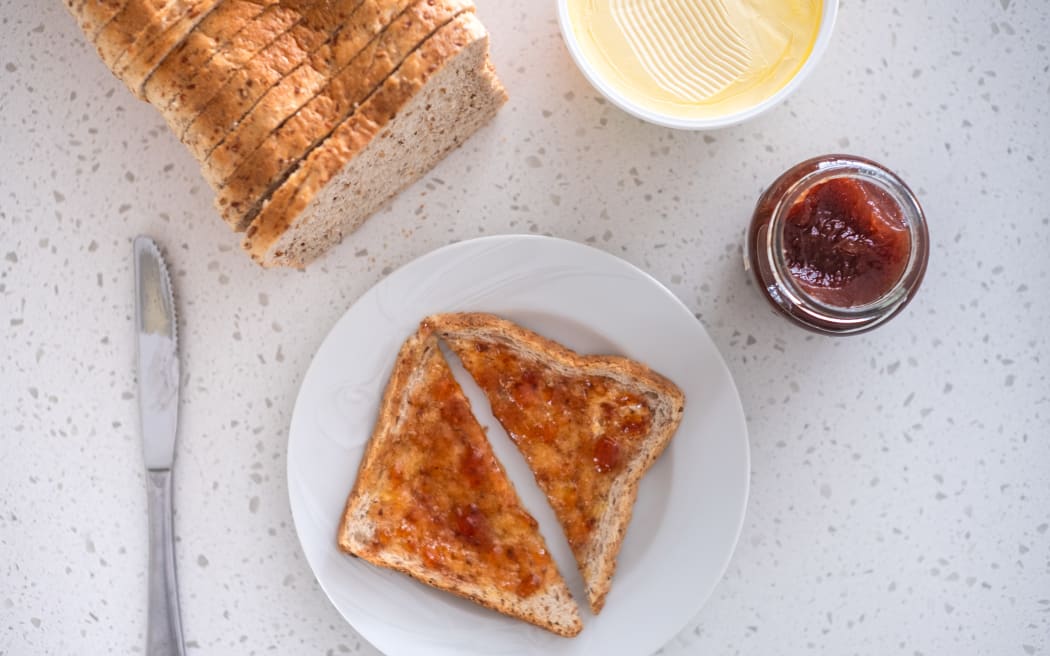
x: 158, y: 358
x: 158, y: 379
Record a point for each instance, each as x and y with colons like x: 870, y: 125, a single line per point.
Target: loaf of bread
x: 306, y: 116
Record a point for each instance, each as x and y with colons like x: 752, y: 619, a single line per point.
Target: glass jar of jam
x: 838, y: 244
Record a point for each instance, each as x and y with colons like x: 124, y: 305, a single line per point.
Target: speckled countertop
x: 901, y: 480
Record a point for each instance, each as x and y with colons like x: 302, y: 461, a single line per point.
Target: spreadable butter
x: 696, y: 59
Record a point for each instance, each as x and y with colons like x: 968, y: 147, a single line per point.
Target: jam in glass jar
x: 838, y: 244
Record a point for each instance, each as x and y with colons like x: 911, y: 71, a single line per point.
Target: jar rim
x: 813, y: 309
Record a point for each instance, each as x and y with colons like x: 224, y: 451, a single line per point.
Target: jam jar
x: 837, y: 244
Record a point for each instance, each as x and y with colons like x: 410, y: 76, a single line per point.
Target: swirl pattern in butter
x: 696, y: 58
x: 688, y: 47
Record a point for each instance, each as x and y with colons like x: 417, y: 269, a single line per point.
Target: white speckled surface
x: 901, y: 479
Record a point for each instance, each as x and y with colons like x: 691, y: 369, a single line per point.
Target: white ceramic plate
x: 690, y: 506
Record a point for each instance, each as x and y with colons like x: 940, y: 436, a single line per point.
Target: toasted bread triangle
x: 432, y: 501
x: 588, y: 426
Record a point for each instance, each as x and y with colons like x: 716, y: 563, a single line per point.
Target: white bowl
x: 827, y: 23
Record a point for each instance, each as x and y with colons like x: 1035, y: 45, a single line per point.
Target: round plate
x: 690, y: 505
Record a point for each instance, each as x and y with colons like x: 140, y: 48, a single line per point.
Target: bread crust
x: 285, y: 62
x: 550, y: 608
x: 282, y: 101
x: 246, y: 180
x: 93, y: 15
x: 212, y: 34
x: 136, y: 65
x: 201, y: 88
x: 597, y: 559
x: 353, y: 135
x: 137, y: 19
x: 160, y: 34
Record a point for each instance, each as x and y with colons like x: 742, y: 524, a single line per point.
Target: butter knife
x: 158, y: 376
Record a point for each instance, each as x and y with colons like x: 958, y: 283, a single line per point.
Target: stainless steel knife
x: 158, y: 375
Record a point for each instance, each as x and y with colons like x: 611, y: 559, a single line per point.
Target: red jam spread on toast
x: 845, y: 242
x: 443, y: 496
x: 577, y: 432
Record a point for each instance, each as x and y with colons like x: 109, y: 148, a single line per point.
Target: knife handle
x: 164, y: 631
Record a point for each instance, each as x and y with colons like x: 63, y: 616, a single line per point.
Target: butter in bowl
x: 696, y: 64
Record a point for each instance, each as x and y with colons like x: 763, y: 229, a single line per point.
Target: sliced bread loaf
x: 194, y: 96
x: 288, y: 133
x: 263, y: 170
x: 439, y: 96
x: 213, y: 33
x: 294, y: 91
x: 272, y: 64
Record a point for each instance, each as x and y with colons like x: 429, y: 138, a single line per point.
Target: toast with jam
x: 588, y: 426
x: 432, y: 501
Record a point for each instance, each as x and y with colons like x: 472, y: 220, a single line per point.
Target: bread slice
x: 440, y: 95
x: 178, y: 14
x: 211, y: 35
x: 138, y: 62
x: 589, y: 427
x: 328, y: 206
x: 135, y: 20
x: 207, y: 81
x: 282, y: 60
x: 264, y: 169
x: 378, y: 22
x: 93, y: 15
x: 432, y: 501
